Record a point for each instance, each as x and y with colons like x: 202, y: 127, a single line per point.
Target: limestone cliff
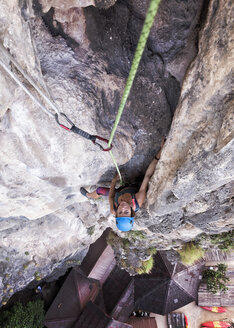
x: 80, y: 55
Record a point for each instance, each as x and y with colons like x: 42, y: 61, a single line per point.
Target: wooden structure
x: 145, y: 322
x: 118, y: 294
x: 93, y: 317
x: 106, y: 301
x: 219, y: 256
x: 100, y: 260
x: 70, y: 301
x: 109, y: 299
x: 125, y: 305
x: 206, y: 298
x: 168, y: 286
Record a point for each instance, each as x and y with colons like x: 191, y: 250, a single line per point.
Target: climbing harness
x: 57, y: 115
x: 151, y: 13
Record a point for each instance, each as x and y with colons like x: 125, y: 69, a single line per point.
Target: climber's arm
x: 112, y: 194
x: 141, y: 195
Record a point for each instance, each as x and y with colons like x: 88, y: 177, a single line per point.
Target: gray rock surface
x: 81, y: 58
x: 195, y: 185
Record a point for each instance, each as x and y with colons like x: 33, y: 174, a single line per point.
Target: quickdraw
x: 73, y: 128
x: 153, y: 7
x: 82, y: 133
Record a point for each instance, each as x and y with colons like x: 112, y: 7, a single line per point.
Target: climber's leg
x: 95, y: 194
x: 103, y: 191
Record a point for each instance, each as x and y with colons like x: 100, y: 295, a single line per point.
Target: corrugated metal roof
x: 76, y: 291
x: 145, y: 322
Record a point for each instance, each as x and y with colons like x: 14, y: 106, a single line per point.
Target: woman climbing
x: 127, y: 200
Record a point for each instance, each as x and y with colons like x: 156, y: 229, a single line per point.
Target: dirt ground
x: 196, y: 316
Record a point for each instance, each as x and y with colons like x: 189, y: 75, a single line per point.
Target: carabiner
x: 82, y: 133
x: 99, y: 145
x: 67, y: 119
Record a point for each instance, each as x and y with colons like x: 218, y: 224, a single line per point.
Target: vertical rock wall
x: 192, y: 186
x: 81, y: 58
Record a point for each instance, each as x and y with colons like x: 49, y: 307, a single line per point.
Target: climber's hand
x: 116, y: 177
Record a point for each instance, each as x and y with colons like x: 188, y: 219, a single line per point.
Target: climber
x: 127, y: 200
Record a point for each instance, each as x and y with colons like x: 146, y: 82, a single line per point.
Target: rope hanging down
x: 153, y: 7
x: 151, y: 13
x: 28, y: 78
x: 58, y: 115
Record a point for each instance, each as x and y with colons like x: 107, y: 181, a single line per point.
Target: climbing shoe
x: 83, y: 192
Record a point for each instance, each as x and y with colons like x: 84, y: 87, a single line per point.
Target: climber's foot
x: 92, y: 195
x: 84, y: 192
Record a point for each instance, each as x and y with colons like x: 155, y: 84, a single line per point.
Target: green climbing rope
x: 136, y: 60
x: 152, y: 11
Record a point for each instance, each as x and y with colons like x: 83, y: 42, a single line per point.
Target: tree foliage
x: 224, y: 241
x: 30, y: 315
x: 216, y: 279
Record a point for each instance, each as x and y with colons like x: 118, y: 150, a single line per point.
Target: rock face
x: 80, y: 56
x: 193, y: 189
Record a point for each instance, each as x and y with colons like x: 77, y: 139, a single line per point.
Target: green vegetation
x: 25, y: 265
x: 7, y: 259
x: 37, y: 276
x: 30, y: 315
x: 113, y: 239
x: 90, y: 230
x: 130, y: 261
x: 225, y: 240
x: 4, y: 302
x: 110, y: 239
x: 190, y: 253
x: 73, y: 262
x: 125, y: 243
x: 146, y: 266
x: 151, y: 251
x: 136, y: 234
x: 216, y: 279
x: 26, y: 253
x: 123, y: 263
